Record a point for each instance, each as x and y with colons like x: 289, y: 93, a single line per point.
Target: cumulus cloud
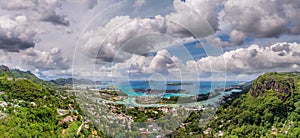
x: 134, y: 45
x: 261, y: 19
x: 16, y: 4
x: 16, y: 33
x: 139, y: 3
x: 140, y: 66
x: 31, y: 59
x: 51, y: 11
x: 121, y: 32
x: 49, y: 60
x: 54, y: 18
x: 207, y: 10
x: 47, y: 10
x: 254, y: 59
x: 91, y: 3
x: 160, y: 63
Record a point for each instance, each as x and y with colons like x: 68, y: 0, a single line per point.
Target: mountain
x: 70, y: 81
x: 3, y: 70
x: 270, y: 108
x: 29, y: 107
x: 18, y: 74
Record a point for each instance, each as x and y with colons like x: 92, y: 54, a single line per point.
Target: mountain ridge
x: 271, y: 104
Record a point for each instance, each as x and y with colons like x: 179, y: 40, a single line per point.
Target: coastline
x: 136, y: 95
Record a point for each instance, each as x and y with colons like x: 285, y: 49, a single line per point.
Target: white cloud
x: 140, y: 66
x: 237, y: 37
x: 254, y: 59
x: 160, y: 63
x: 127, y: 40
x: 90, y: 4
x: 206, y: 9
x: 16, y: 33
x: 261, y: 19
x: 16, y: 4
x: 139, y: 3
x: 31, y: 59
x: 46, y: 10
x: 182, y: 24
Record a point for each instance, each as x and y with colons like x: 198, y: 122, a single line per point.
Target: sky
x: 150, y: 39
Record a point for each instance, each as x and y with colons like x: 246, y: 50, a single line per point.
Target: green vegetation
x: 268, y: 107
x: 271, y: 108
x: 70, y: 81
x: 15, y: 73
x: 113, y: 92
x: 29, y: 108
x: 140, y: 114
x: 175, y: 99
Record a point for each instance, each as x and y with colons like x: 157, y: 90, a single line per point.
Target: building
x: 67, y: 119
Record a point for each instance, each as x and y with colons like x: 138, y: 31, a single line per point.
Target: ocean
x: 138, y: 88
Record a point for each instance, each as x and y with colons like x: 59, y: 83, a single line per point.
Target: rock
x: 286, y: 90
x: 291, y: 81
x: 4, y: 68
x: 283, y: 88
x: 253, y: 92
x: 269, y: 84
x: 276, y: 87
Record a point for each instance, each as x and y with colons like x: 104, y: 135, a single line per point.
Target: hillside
x: 70, y: 81
x: 18, y: 74
x: 270, y: 108
x: 31, y: 108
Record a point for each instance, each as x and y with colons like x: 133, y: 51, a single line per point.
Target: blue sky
x: 121, y: 39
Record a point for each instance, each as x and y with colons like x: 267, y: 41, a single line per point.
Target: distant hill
x: 18, y: 74
x: 25, y: 74
x: 70, y: 81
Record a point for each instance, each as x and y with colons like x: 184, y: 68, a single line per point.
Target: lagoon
x: 138, y: 88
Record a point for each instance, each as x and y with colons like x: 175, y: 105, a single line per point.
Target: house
x: 67, y: 119
x: 87, y: 121
x: 3, y: 104
x: 207, y: 131
x: 150, y: 120
x: 10, y: 79
x: 33, y: 103
x: 221, y: 133
x: 164, y: 109
x: 274, y: 131
x: 86, y: 126
x: 62, y: 112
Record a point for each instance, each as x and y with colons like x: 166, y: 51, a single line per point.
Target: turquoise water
x: 192, y: 87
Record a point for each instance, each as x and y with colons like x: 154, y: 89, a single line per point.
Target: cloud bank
x: 41, y: 35
x: 261, y: 19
